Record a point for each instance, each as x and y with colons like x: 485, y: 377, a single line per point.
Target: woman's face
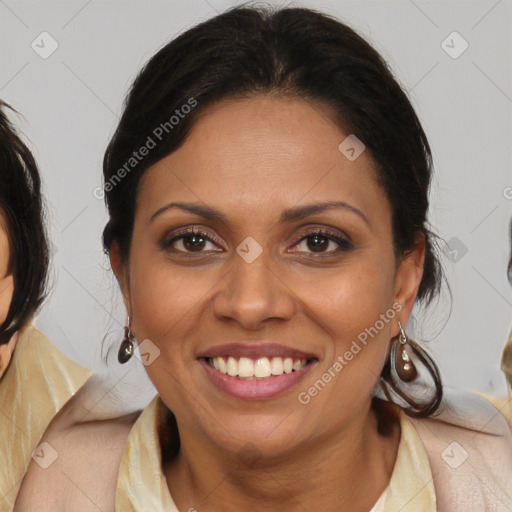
x: 254, y: 289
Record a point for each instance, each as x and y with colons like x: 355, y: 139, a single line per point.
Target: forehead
x: 261, y: 152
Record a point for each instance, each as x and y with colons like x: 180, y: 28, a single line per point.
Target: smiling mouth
x: 263, y: 368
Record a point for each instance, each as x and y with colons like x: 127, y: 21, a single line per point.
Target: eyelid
x: 326, y: 231
x: 339, y: 238
x: 191, y: 230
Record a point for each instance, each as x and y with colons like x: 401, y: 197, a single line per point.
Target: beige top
x: 37, y: 383
x: 459, y: 461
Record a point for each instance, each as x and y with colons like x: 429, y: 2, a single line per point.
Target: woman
x: 35, y: 379
x: 267, y: 188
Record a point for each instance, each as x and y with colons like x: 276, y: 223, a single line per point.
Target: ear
x: 120, y: 270
x: 408, y: 278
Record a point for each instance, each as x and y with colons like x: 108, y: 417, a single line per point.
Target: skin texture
x: 251, y: 159
x: 6, y: 292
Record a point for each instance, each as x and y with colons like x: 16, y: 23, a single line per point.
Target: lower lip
x: 256, y: 389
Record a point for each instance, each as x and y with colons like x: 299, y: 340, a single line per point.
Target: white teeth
x: 262, y: 368
x: 232, y: 367
x: 223, y: 368
x: 245, y: 367
x: 276, y: 366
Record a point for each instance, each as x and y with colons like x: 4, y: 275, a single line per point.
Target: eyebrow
x: 288, y: 216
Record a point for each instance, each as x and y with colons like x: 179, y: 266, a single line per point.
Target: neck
x: 351, y: 467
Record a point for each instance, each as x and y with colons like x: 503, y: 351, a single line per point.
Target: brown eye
x: 191, y: 241
x: 318, y: 241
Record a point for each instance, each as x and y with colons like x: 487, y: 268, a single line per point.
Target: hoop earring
x: 401, y: 363
x: 126, y: 349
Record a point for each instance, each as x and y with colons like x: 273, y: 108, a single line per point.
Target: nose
x: 253, y: 293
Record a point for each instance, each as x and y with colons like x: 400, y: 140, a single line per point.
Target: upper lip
x: 255, y: 350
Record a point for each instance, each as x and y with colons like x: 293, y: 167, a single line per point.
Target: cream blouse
x: 37, y: 383
x: 459, y: 461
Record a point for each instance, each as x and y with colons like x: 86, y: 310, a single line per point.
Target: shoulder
x: 469, y: 448
x: 76, y: 468
x: 76, y: 464
x: 502, y: 405
x: 467, y: 414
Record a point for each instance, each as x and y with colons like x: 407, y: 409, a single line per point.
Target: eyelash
x: 343, y: 243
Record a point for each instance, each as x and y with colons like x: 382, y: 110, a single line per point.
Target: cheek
x: 349, y: 299
x: 355, y: 310
x: 360, y: 304
x: 166, y: 300
x: 165, y: 303
x: 365, y: 319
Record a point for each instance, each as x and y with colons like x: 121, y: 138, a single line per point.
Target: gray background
x: 72, y: 99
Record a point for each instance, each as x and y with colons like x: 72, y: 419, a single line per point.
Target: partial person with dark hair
x: 268, y: 190
x: 36, y: 380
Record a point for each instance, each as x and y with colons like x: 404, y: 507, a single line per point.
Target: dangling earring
x: 127, y: 347
x: 401, y: 363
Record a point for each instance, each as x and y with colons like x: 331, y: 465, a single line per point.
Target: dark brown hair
x: 21, y: 203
